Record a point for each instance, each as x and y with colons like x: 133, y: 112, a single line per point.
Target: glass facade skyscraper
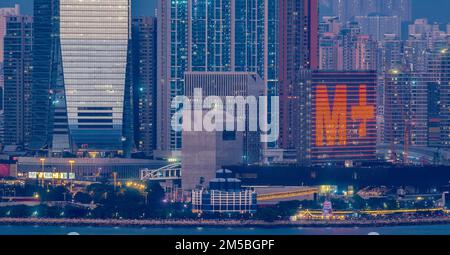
x: 211, y: 35
x: 80, y: 85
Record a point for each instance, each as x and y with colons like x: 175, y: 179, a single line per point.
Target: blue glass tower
x: 211, y: 36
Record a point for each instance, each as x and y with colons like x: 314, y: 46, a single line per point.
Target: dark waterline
x: 62, y: 230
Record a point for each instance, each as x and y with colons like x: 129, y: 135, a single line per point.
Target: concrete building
x: 348, y: 38
x: 329, y: 52
x: 391, y: 52
x: 356, y: 51
x: 415, y: 53
x: 346, y: 10
x: 421, y: 26
x: 365, y: 53
x: 377, y: 26
x: 225, y: 196
x: 205, y: 151
x: 343, y: 117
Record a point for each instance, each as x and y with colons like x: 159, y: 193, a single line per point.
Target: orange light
x: 363, y: 111
x: 331, y: 121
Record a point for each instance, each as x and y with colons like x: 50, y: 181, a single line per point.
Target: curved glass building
x: 81, y: 91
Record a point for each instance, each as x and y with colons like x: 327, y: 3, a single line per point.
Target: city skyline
x: 122, y: 83
x: 421, y: 8
x: 231, y: 111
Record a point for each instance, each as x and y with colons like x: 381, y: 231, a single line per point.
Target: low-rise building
x: 224, y: 196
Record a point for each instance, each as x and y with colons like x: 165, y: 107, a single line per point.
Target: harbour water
x: 63, y: 230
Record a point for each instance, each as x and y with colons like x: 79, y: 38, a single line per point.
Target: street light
x: 71, y: 162
x: 443, y: 199
x: 42, y: 160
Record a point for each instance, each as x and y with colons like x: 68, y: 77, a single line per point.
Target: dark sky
x: 434, y: 10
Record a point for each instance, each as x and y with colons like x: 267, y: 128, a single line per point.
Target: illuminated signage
x: 332, y: 119
x: 51, y: 175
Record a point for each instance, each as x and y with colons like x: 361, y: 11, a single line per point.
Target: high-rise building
x: 298, y: 48
x: 81, y: 96
x: 434, y: 114
x: 406, y: 108
x: 18, y: 73
x: 414, y: 96
x: 391, y: 52
x: 377, y: 26
x: 390, y: 57
x: 443, y: 68
x: 400, y: 8
x: 330, y: 48
x: 303, y: 120
x: 343, y: 118
x: 223, y: 36
x: 329, y: 52
x: 438, y: 100
x: 415, y: 53
x: 330, y: 24
x: 396, y: 108
x: 346, y: 10
x: 4, y: 13
x: 366, y: 53
x: 421, y: 26
x: 144, y: 82
x: 2, y: 82
x: 426, y: 37
x: 426, y: 55
x: 359, y: 51
x: 418, y: 117
x: 349, y: 35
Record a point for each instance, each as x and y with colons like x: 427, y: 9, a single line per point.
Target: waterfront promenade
x: 442, y: 220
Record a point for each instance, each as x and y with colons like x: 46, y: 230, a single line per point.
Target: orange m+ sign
x: 363, y: 111
x: 331, y: 123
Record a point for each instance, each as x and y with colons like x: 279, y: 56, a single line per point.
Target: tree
x: 59, y: 193
x: 101, y: 193
x: 83, y: 198
x: 155, y: 194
